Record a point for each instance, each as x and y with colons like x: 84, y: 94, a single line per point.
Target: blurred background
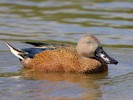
x: 67, y: 20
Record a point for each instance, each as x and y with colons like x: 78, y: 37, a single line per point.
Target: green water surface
x: 65, y: 21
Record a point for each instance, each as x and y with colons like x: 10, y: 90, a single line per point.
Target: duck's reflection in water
x: 66, y: 86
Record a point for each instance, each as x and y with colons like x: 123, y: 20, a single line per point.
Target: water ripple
x: 60, y: 20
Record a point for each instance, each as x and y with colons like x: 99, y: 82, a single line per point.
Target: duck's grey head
x: 89, y: 46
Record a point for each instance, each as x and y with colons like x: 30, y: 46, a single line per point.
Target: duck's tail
x: 18, y: 53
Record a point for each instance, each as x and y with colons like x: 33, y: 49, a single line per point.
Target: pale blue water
x: 40, y: 20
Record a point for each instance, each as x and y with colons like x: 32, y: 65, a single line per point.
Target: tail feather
x: 18, y: 53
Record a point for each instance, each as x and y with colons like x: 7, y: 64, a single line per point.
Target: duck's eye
x: 88, y: 42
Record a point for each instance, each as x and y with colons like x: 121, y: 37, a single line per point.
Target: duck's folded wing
x: 46, y: 45
x: 27, y: 52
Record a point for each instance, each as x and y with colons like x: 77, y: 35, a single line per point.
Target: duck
x: 87, y: 56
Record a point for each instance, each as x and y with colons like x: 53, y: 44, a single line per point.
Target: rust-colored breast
x: 63, y: 60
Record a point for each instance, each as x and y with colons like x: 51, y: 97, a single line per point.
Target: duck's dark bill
x: 101, y: 54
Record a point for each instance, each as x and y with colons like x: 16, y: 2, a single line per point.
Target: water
x: 66, y: 20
